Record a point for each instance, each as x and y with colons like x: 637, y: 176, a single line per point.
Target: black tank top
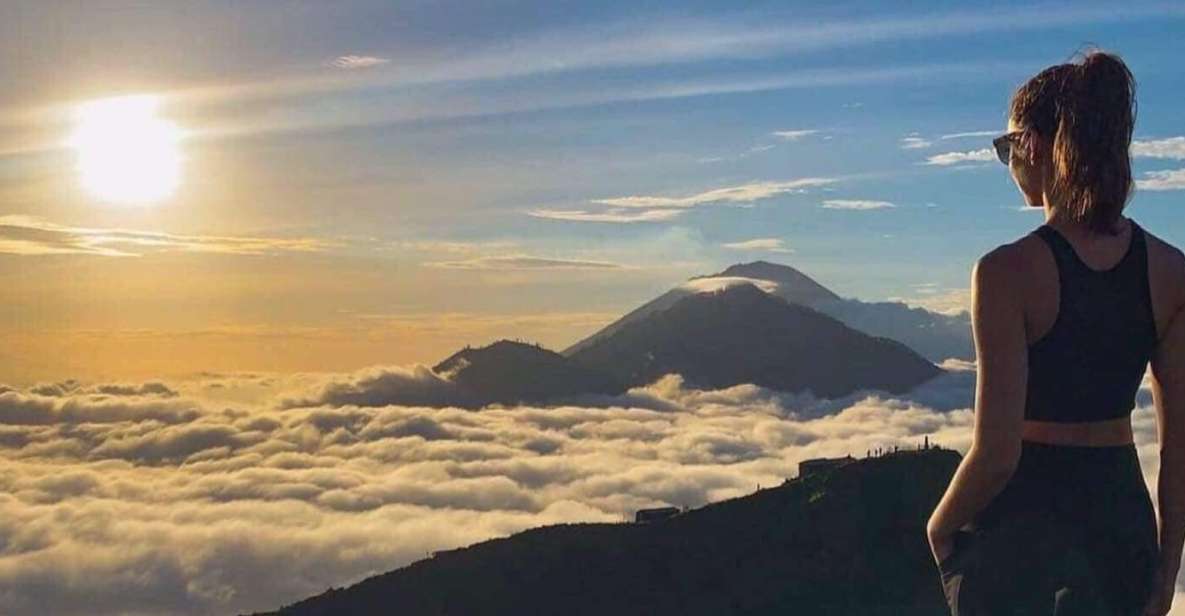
x: 1089, y: 366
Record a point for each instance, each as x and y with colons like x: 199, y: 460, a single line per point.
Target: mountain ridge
x: 849, y: 539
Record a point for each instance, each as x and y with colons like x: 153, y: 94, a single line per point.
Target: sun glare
x: 126, y: 152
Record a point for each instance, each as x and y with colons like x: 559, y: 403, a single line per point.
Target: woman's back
x: 1096, y: 307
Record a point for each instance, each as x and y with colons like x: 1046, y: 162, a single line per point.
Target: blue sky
x: 487, y: 158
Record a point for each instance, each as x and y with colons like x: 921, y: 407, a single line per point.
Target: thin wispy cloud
x: 914, y: 142
x: 1171, y: 148
x: 523, y: 262
x: 956, y: 158
x: 352, y: 62
x: 23, y: 235
x: 612, y: 215
x: 626, y: 44
x: 1173, y: 179
x: 794, y: 135
x: 974, y: 133
x: 450, y: 246
x: 768, y: 244
x: 856, y: 204
x: 745, y: 193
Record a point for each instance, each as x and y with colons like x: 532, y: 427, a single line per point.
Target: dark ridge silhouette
x: 741, y: 334
x: 510, y: 372
x: 847, y: 537
x: 934, y: 335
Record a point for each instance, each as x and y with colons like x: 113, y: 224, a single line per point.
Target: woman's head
x: 1075, y: 122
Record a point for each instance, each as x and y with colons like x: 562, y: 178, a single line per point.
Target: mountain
x: 741, y: 334
x: 781, y: 280
x: 510, y: 372
x: 934, y: 335
x: 849, y: 539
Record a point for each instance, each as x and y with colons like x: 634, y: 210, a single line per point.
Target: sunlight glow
x: 126, y: 152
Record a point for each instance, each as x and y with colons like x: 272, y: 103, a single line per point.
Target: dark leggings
x: 1073, y: 532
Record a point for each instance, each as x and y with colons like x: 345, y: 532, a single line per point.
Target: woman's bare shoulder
x: 1166, y: 264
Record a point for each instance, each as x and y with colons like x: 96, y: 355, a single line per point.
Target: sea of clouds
x: 228, y: 493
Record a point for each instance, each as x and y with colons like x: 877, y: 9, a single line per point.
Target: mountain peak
x: 792, y: 285
x: 514, y: 372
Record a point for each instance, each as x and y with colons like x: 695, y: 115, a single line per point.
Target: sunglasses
x: 1003, y: 145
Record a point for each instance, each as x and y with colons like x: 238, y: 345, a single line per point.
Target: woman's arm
x: 1002, y: 376
x: 1168, y: 394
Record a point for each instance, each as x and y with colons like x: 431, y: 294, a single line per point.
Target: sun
x: 126, y: 152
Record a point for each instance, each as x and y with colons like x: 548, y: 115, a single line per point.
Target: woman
x: 1048, y: 513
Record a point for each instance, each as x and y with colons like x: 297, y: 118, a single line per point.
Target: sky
x: 370, y: 182
x: 329, y: 197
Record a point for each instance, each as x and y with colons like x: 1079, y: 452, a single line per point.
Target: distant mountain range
x: 846, y: 539
x: 761, y: 323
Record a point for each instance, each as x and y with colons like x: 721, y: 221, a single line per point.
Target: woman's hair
x: 1086, y: 110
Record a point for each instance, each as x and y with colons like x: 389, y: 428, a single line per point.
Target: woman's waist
x: 1115, y: 432
x: 1071, y: 481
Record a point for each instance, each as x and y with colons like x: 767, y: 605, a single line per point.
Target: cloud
x: 71, y: 386
x: 974, y: 133
x: 770, y: 244
x: 661, y: 208
x: 944, y: 301
x: 523, y: 262
x: 456, y: 247
x: 197, y: 516
x: 954, y: 158
x: 21, y: 408
x: 914, y: 142
x: 794, y: 135
x: 612, y: 215
x: 1172, y: 148
x: 744, y: 193
x: 416, y: 385
x: 1172, y: 179
x: 856, y: 204
x: 23, y: 235
x: 352, y: 62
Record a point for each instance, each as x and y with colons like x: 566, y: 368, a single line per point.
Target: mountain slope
x: 508, y: 372
x: 934, y: 335
x: 846, y: 540
x: 781, y: 280
x: 741, y: 334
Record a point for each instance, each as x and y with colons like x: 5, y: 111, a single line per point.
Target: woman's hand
x: 1163, y: 588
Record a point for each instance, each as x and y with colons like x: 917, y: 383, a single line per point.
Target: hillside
x: 845, y: 540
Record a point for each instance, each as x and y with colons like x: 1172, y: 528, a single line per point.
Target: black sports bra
x: 1089, y: 366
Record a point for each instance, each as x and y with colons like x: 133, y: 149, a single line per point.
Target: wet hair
x: 1087, y: 110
